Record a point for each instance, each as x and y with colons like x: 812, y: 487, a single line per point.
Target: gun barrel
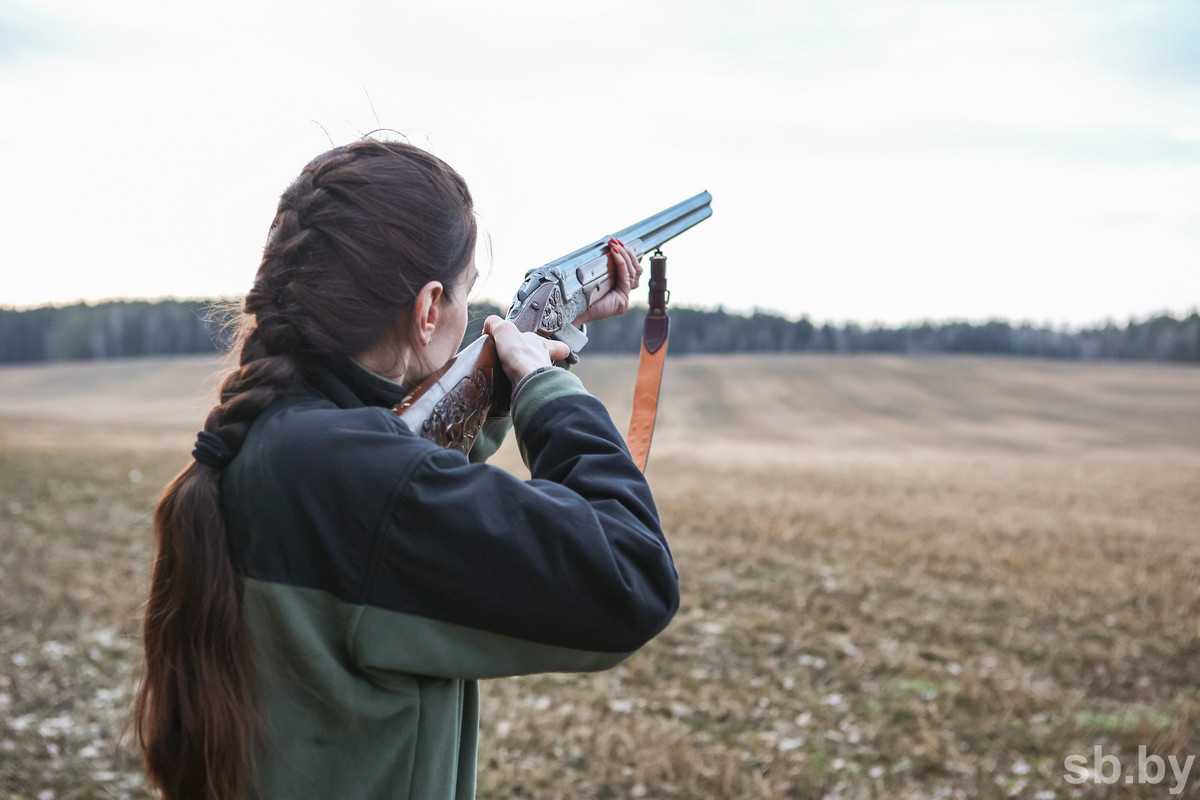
x: 652, y: 232
x: 666, y: 225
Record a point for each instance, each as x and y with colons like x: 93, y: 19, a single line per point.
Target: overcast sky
x: 869, y: 160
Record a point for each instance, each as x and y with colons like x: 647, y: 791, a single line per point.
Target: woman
x: 328, y: 587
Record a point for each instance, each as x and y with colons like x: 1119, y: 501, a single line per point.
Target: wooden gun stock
x: 450, y: 406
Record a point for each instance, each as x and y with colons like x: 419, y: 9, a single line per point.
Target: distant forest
x: 121, y: 329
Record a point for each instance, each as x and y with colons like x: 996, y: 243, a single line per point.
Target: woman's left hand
x: 626, y: 273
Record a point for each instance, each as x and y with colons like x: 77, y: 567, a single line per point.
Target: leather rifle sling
x: 650, y: 366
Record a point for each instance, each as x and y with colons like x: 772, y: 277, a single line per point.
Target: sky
x: 877, y: 161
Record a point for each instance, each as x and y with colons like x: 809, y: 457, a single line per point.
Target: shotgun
x: 450, y: 406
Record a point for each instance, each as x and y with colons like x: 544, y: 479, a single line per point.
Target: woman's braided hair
x: 356, y: 236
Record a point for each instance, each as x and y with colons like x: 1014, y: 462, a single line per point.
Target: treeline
x: 171, y: 327
x: 1160, y: 338
x: 115, y: 329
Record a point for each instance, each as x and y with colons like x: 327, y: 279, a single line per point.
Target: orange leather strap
x: 655, y: 332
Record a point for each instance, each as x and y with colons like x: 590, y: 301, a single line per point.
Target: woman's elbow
x: 654, y: 610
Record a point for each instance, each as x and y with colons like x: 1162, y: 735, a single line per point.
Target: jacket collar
x: 351, y: 385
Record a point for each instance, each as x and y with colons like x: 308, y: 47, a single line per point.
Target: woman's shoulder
x: 313, y: 415
x: 307, y: 494
x: 313, y: 440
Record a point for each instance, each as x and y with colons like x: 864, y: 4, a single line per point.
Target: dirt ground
x: 903, y: 578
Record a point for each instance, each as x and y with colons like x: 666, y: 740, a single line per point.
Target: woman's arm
x: 479, y: 574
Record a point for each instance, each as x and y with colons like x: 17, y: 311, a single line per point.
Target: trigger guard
x: 574, y: 338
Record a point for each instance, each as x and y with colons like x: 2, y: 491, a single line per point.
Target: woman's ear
x: 425, y: 313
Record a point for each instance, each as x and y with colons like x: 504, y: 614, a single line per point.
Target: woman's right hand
x: 522, y: 353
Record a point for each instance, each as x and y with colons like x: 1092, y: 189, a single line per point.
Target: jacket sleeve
x: 480, y: 574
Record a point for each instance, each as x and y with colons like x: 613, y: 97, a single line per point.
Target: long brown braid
x: 356, y: 236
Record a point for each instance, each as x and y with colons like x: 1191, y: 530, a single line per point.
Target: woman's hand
x: 626, y: 273
x: 522, y: 353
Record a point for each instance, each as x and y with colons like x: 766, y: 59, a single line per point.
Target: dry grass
x: 902, y: 579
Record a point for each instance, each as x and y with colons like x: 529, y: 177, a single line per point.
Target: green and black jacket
x: 385, y: 575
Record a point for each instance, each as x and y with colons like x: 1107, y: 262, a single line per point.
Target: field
x: 902, y: 578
